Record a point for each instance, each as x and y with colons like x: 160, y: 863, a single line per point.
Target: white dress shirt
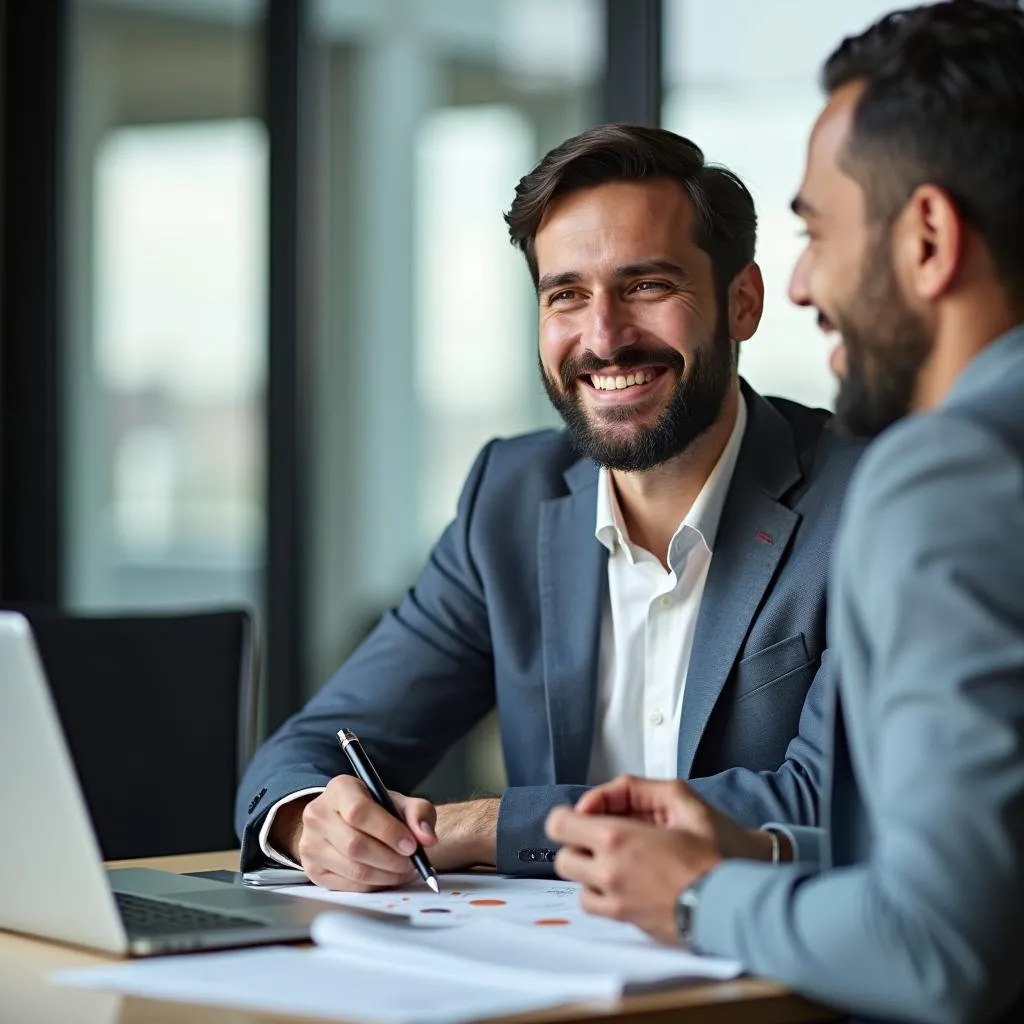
x: 647, y: 627
x: 646, y: 635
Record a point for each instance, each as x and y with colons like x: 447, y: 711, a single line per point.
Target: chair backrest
x: 160, y: 714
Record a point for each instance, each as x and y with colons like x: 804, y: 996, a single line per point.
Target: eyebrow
x: 549, y: 281
x: 650, y: 267
x: 568, y: 277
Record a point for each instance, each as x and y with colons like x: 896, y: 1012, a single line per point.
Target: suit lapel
x: 573, y: 580
x: 753, y: 535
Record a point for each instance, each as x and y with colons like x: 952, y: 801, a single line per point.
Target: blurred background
x: 259, y: 310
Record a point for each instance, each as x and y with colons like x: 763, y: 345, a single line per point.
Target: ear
x: 929, y: 241
x: 746, y: 302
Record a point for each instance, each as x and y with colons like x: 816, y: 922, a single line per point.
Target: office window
x: 167, y: 307
x: 475, y: 366
x: 180, y: 235
x: 741, y: 81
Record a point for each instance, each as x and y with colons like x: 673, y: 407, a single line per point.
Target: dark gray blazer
x: 922, y: 916
x: 508, y: 612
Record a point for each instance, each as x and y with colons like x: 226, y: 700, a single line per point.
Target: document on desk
x: 549, y: 908
x: 323, y: 983
x: 486, y: 946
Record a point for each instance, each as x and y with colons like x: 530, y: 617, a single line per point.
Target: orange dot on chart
x: 487, y: 903
x: 455, y: 892
x: 549, y: 921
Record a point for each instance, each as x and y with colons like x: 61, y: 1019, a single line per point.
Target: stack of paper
x: 485, y: 947
x: 515, y: 955
x: 318, y: 983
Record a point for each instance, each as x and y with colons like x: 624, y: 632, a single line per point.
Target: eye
x: 651, y: 286
x: 562, y: 297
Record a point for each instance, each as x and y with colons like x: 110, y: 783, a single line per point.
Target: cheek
x: 557, y: 337
x: 825, y: 283
x: 678, y: 325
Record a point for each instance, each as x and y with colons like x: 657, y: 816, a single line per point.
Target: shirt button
x: 656, y: 718
x: 666, y: 601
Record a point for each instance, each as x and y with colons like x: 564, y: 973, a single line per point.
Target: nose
x: 799, y: 282
x: 609, y: 328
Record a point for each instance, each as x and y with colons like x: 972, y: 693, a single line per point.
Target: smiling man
x: 643, y: 591
x: 909, y: 905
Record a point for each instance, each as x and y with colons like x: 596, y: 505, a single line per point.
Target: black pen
x: 363, y: 767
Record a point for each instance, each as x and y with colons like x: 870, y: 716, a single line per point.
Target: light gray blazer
x: 921, y: 914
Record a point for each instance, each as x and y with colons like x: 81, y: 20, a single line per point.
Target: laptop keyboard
x: 143, y: 916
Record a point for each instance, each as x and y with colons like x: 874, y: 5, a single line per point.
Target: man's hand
x: 636, y: 844
x: 345, y: 840
x: 630, y: 870
x: 672, y: 803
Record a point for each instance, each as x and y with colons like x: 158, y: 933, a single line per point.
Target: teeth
x: 621, y: 381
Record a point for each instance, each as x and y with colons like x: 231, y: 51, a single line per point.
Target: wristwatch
x: 686, y: 911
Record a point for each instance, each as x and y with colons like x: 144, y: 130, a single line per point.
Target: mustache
x: 625, y: 359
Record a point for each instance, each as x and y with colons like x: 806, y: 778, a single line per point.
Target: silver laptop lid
x: 46, y: 837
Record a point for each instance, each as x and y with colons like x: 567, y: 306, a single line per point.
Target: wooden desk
x: 27, y: 997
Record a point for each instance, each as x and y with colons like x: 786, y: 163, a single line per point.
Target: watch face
x: 686, y: 906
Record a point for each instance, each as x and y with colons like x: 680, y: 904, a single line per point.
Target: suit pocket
x: 757, y: 670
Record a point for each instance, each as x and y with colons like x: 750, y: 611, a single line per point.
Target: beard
x: 886, y: 345
x: 693, y: 406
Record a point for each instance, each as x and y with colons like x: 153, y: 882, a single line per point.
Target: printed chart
x: 539, y: 903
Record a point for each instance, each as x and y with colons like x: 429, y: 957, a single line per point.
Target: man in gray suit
x: 912, y: 904
x: 576, y: 588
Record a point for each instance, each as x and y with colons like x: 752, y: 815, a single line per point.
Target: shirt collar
x: 706, y: 511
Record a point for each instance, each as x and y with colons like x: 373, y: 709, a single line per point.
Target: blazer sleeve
x: 421, y: 679
x: 791, y: 794
x: 929, y: 583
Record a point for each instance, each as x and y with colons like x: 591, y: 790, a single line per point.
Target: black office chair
x: 160, y: 713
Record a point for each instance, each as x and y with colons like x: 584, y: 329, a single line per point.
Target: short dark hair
x: 943, y: 104
x: 725, y: 224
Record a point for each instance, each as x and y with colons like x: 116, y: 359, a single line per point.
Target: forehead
x: 827, y: 185
x: 621, y: 221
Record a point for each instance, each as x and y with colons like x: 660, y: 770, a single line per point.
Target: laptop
x: 52, y: 880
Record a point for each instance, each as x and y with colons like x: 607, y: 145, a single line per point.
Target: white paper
x: 476, y: 896
x: 316, y: 983
x: 509, y: 953
x: 526, y: 923
x: 486, y: 946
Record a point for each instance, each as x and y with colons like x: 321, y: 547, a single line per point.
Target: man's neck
x: 653, y: 503
x: 968, y: 323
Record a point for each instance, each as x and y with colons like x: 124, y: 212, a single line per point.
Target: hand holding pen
x: 344, y: 839
x: 367, y: 774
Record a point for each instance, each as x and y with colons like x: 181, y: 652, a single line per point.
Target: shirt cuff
x: 808, y: 843
x: 268, y: 851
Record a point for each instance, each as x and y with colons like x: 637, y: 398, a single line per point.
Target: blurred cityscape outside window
x: 180, y: 241
x: 741, y: 80
x: 167, y: 306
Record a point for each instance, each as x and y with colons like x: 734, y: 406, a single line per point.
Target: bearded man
x: 907, y: 905
x: 643, y: 591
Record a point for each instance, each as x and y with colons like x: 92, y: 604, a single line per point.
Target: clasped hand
x: 636, y: 844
